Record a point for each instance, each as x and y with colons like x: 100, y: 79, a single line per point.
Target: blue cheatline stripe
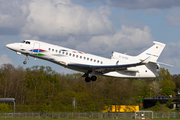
x: 37, y: 50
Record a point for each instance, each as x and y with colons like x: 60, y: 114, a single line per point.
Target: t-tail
x: 152, y: 54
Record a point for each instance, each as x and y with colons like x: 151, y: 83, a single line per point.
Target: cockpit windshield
x: 26, y: 42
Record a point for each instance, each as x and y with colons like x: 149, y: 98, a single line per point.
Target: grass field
x: 78, y: 119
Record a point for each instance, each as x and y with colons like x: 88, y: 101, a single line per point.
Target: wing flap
x: 104, y: 67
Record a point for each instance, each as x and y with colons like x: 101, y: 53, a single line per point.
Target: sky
x: 92, y: 26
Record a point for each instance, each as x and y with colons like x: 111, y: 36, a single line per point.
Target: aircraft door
x: 35, y: 50
x: 117, y: 62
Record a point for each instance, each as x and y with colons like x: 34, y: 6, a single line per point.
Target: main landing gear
x: 92, y: 78
x: 26, y: 58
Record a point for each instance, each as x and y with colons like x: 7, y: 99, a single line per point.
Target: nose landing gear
x: 26, y: 58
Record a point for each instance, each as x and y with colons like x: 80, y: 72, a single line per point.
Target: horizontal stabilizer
x: 160, y: 63
x: 165, y: 64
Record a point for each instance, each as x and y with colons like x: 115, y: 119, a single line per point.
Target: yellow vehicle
x: 121, y: 108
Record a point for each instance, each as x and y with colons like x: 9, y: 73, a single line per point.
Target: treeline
x: 40, y: 89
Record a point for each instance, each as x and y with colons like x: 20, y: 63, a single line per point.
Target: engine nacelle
x: 119, y: 56
x: 123, y: 58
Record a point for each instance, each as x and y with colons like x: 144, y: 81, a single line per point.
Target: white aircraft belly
x: 130, y: 74
x: 122, y: 74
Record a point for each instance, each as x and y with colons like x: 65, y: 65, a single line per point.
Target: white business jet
x: 120, y: 65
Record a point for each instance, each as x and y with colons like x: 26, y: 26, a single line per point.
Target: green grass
x: 76, y: 119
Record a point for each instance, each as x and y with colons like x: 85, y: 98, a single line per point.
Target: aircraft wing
x: 101, y: 68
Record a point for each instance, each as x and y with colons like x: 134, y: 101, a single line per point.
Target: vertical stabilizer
x: 153, y: 52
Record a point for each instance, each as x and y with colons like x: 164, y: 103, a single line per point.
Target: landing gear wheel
x: 87, y: 79
x: 93, y: 78
x: 26, y: 58
x: 24, y: 62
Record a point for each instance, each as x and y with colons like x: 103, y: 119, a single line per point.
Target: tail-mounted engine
x: 120, y: 56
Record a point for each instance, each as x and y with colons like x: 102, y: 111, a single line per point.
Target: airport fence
x: 76, y: 115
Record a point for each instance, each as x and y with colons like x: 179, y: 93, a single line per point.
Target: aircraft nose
x: 9, y: 46
x: 12, y: 46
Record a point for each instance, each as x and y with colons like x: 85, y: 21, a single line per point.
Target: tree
x: 168, y: 103
x: 176, y: 79
x: 165, y: 79
x: 155, y: 88
x: 12, y: 82
x: 4, y: 108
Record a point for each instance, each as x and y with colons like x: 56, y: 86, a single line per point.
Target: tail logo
x: 151, y: 54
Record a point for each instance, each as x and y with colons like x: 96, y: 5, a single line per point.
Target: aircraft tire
x: 93, y: 78
x: 24, y: 62
x: 87, y: 79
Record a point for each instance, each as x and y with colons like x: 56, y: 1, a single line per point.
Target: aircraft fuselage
x: 84, y: 62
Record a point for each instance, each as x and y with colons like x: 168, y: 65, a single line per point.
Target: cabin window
x: 98, y: 61
x: 80, y: 57
x: 49, y: 49
x: 62, y: 52
x: 94, y: 60
x: 84, y: 57
x: 69, y: 54
x: 56, y: 50
x: 91, y: 59
x: 101, y: 62
x: 76, y: 56
x: 59, y: 51
x: 73, y: 55
x: 87, y: 58
x: 53, y: 50
x: 66, y: 53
